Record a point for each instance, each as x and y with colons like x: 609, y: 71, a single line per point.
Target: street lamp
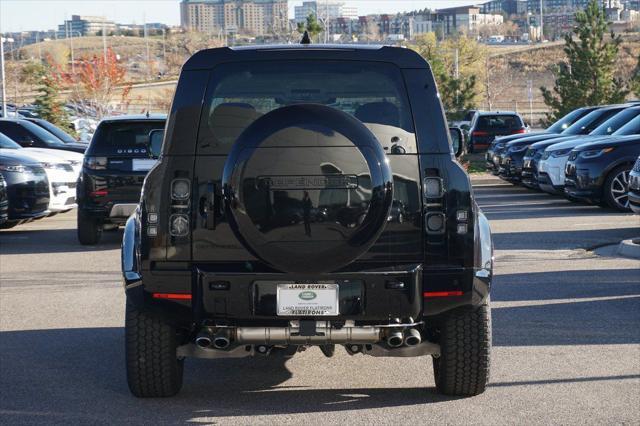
x: 2, y: 75
x: 73, y: 60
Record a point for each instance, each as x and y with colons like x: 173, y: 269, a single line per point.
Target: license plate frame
x: 307, y: 300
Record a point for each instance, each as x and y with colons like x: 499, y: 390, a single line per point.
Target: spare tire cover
x: 307, y: 188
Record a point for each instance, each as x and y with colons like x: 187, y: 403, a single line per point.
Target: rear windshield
x: 118, y: 136
x: 495, y: 122
x: 616, y: 122
x: 240, y: 93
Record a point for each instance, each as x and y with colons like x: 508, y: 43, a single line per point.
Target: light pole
x: 541, y: 21
x: 73, y: 59
x: 2, y: 75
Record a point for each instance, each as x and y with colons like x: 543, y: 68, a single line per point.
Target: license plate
x: 307, y: 299
x: 142, y: 164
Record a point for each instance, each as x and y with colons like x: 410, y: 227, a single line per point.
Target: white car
x: 74, y: 158
x: 61, y: 175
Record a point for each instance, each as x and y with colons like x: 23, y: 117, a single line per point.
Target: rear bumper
x: 366, y: 297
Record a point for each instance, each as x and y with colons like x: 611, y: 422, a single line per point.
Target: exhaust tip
x: 220, y: 342
x: 203, y: 341
x: 412, y: 337
x: 395, y: 339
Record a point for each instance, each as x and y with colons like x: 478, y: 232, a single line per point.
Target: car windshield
x: 589, y: 122
x: 502, y: 122
x: 616, y: 122
x: 240, y: 93
x: 631, y: 128
x: 56, y: 131
x: 125, y: 134
x: 7, y: 143
x: 567, y: 121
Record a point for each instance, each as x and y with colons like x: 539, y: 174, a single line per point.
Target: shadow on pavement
x: 561, y: 240
x: 580, y: 321
x: 77, y: 375
x: 24, y: 241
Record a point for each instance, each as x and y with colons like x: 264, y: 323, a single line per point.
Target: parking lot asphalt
x: 566, y: 335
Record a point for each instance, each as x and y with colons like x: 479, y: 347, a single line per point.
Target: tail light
x: 519, y: 131
x: 95, y: 163
x: 479, y: 133
x: 179, y: 225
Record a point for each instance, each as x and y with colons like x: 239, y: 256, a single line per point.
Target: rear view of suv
x: 114, y: 168
x: 307, y: 196
x: 486, y: 126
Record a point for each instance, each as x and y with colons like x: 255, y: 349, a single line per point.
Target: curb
x: 628, y: 248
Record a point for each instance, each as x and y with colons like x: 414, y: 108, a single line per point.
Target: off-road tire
x: 89, y: 229
x: 609, y: 183
x: 153, y: 369
x: 465, y: 344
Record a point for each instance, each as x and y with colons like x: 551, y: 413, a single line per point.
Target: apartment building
x: 257, y: 17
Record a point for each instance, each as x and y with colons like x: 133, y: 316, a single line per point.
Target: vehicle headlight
x: 546, y: 155
x: 499, y: 146
x: 561, y: 153
x: 518, y: 148
x: 593, y: 153
x: 13, y: 169
x: 53, y: 166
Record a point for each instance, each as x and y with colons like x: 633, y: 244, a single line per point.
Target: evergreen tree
x: 587, y: 77
x: 635, y: 80
x: 48, y: 106
x: 456, y: 93
x: 311, y: 26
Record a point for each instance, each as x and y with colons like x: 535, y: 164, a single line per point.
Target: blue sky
x: 22, y: 15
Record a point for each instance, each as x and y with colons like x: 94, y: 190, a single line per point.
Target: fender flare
x: 129, y: 254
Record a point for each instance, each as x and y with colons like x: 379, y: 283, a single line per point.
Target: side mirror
x: 154, y: 144
x: 457, y: 140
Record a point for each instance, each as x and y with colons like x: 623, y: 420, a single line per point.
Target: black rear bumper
x: 366, y: 297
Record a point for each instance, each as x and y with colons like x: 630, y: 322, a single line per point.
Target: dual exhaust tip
x: 219, y: 341
x: 410, y: 337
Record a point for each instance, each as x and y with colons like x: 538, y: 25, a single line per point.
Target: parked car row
x: 39, y: 166
x: 45, y: 172
x: 587, y: 155
x: 82, y: 117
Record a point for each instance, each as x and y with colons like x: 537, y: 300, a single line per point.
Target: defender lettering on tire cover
x: 331, y: 159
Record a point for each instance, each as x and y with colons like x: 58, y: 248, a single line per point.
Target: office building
x: 256, y: 17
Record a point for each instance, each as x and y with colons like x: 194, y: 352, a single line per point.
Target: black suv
x: 268, y: 223
x: 114, y: 168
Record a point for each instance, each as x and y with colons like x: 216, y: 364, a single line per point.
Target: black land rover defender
x: 268, y: 224
x: 114, y: 168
